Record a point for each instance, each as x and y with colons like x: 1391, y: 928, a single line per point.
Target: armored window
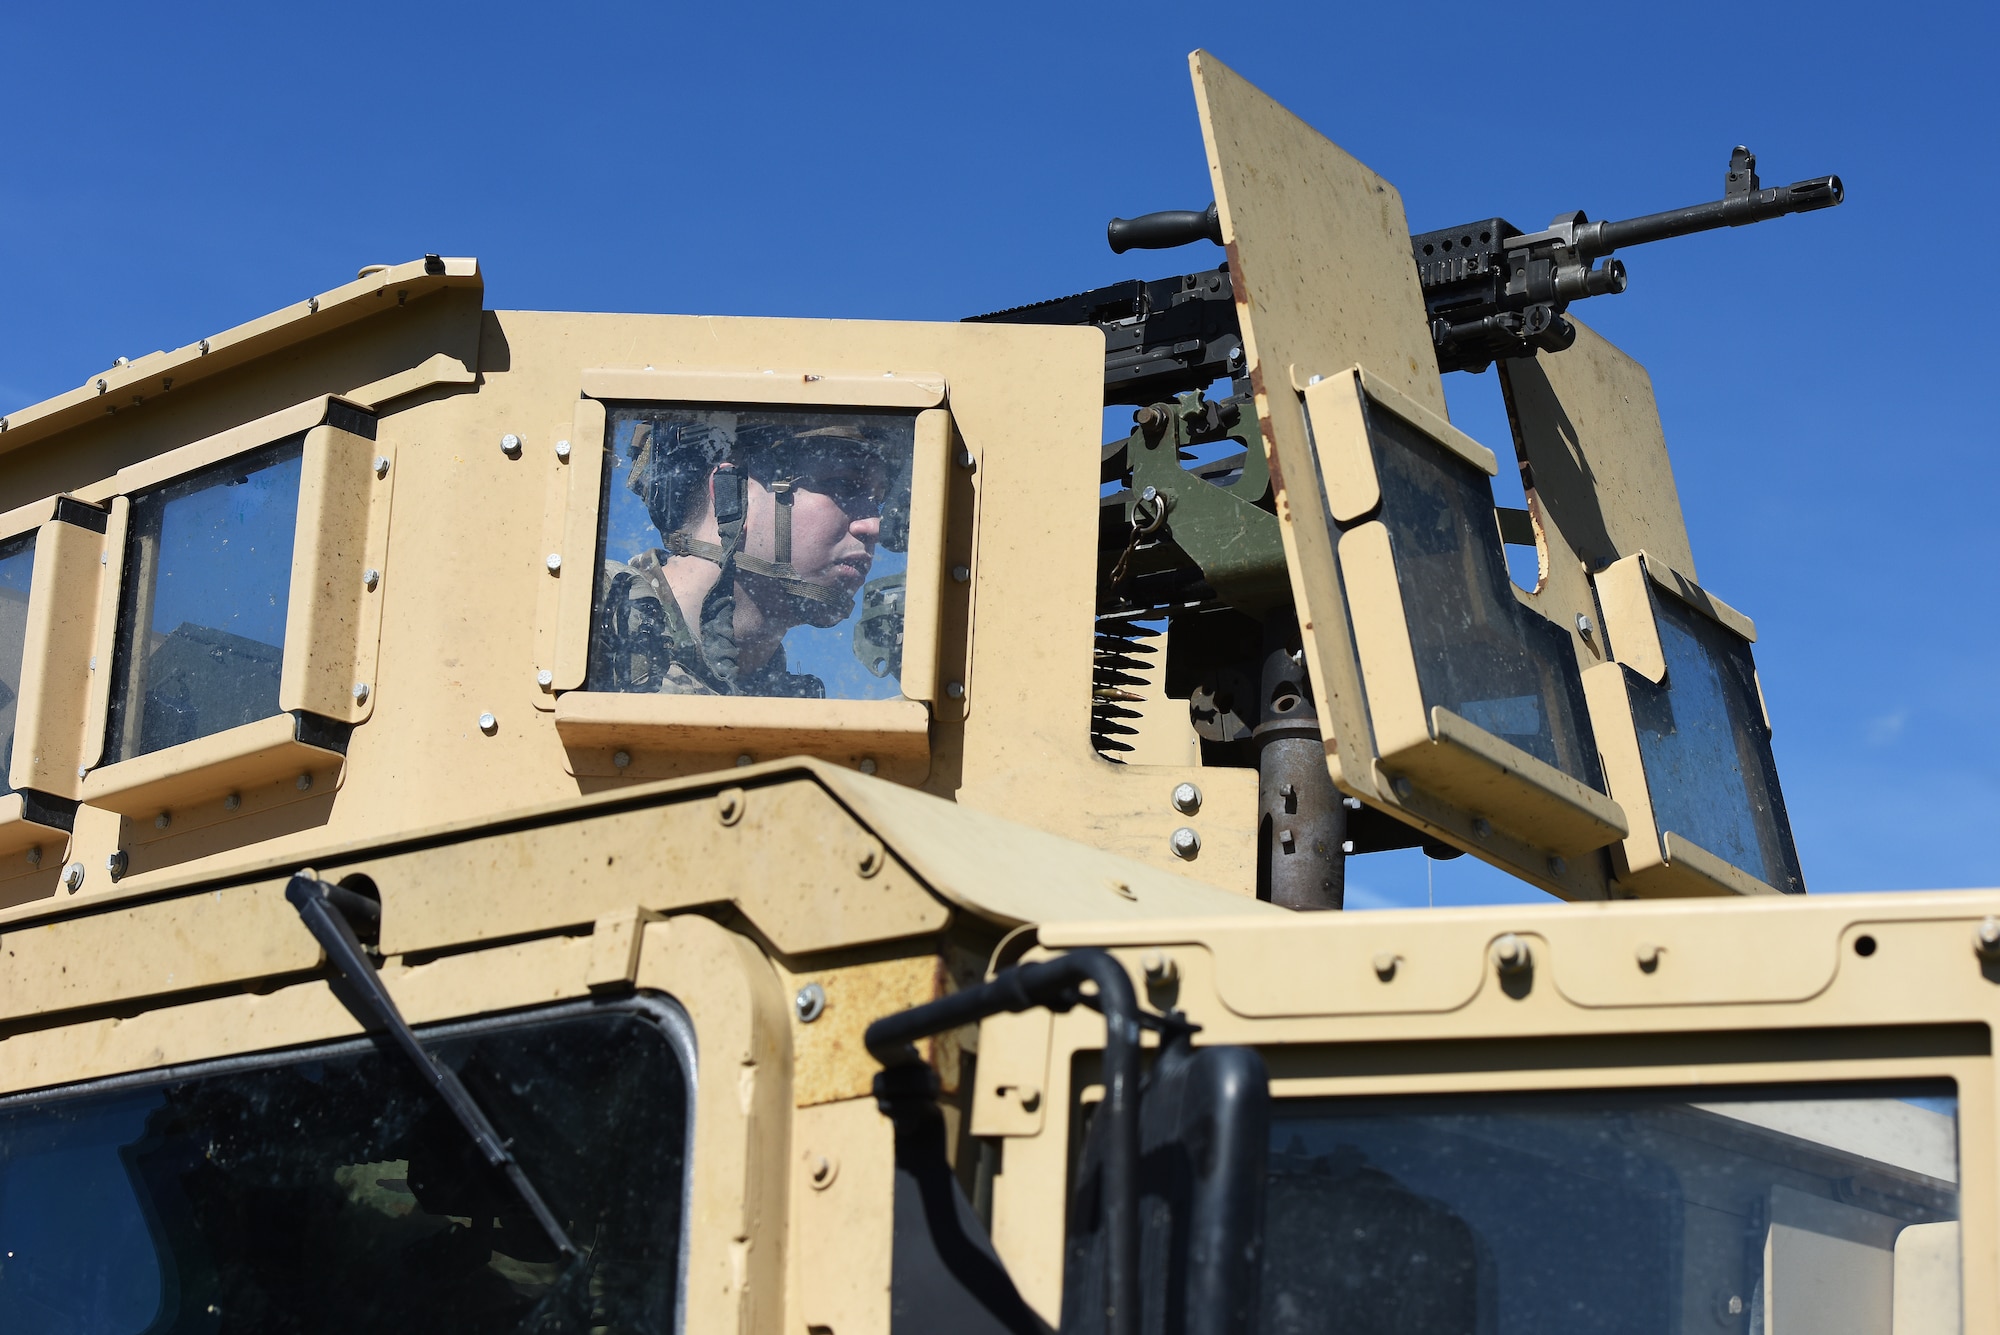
x: 1477, y: 718
x: 1804, y: 1208
x: 239, y: 633
x: 201, y: 620
x: 325, y: 1190
x: 750, y: 565
x: 752, y: 551
x: 1686, y: 739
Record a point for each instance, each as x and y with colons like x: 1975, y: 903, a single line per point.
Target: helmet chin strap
x: 718, y: 609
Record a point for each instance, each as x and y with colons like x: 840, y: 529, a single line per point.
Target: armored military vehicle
x: 580, y: 822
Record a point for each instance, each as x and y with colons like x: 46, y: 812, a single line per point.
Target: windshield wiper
x: 325, y: 908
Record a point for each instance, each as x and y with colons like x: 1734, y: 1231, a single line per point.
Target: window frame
x: 332, y: 624
x: 1652, y: 860
x: 599, y: 727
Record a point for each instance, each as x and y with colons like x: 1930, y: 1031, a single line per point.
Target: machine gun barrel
x: 1735, y: 210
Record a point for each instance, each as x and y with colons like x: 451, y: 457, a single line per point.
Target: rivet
x: 965, y: 458
x: 960, y: 574
x: 1186, y: 799
x: 1149, y: 495
x: 545, y: 679
x: 360, y: 692
x: 554, y: 562
x: 1987, y: 939
x: 871, y: 860
x: 1558, y: 866
x: 867, y: 765
x: 1583, y: 624
x: 305, y: 783
x: 621, y: 759
x: 1314, y: 379
x: 381, y: 465
x: 1385, y: 965
x: 233, y: 801
x: 487, y: 724
x: 35, y: 856
x: 955, y: 690
x: 562, y: 450
x: 821, y: 1170
x: 82, y: 771
x: 510, y: 445
x: 204, y: 347
x: 72, y: 877
x: 1511, y: 954
x: 1159, y: 967
x: 1648, y: 956
x: 117, y: 863
x: 370, y: 578
x: 1185, y: 843
x: 163, y: 820
x: 810, y: 1003
x: 729, y: 805
x: 1482, y: 828
x: 1286, y: 842
x: 1403, y: 787
x: 744, y: 760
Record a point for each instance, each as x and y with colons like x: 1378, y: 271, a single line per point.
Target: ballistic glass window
x: 327, y: 1190
x: 206, y: 589
x: 1707, y: 749
x: 17, y: 565
x: 1599, y: 1213
x: 1479, y: 652
x: 803, y: 596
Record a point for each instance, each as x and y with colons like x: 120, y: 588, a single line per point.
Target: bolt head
x: 305, y: 783
x: 810, y: 1003
x: 72, y: 877
x: 965, y: 458
x: 360, y: 692
x: 1403, y: 787
x: 510, y: 445
x: 370, y: 578
x: 554, y: 562
x: 488, y: 724
x: 1482, y: 828
x: 1558, y: 866
x: 1583, y: 624
x: 955, y: 690
x: 1186, y: 799
x: 621, y: 758
x: 960, y: 574
x: 1988, y: 937
x: 545, y: 679
x: 867, y: 765
x: 562, y: 449
x: 35, y: 856
x: 233, y: 801
x: 1510, y: 952
x: 744, y: 760
x: 1385, y: 965
x: 1159, y: 967
x: 1185, y: 842
x: 163, y: 820
x: 116, y: 863
x: 381, y: 465
x: 1149, y: 495
x: 1315, y: 379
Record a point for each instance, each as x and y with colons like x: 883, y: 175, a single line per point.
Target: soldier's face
x: 836, y: 522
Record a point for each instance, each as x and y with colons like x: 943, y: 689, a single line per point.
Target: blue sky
x: 1824, y: 381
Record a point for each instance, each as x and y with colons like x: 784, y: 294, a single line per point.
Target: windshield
x: 1770, y: 1212
x: 329, y: 1191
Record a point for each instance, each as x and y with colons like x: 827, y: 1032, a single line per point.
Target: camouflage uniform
x: 650, y: 648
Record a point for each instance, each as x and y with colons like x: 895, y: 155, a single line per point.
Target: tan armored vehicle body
x: 643, y: 706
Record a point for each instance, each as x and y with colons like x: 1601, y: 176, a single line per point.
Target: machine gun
x: 1490, y: 290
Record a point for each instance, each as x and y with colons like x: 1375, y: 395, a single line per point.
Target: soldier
x: 766, y: 524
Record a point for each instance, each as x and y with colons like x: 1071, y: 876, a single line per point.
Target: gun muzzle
x: 1164, y: 231
x: 1750, y: 206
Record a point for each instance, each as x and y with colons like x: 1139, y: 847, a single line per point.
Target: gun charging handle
x: 1164, y: 231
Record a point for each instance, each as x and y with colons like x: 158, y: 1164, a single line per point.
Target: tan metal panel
x: 178, y: 945
x: 758, y: 725
x: 333, y: 620
x: 69, y: 569
x: 266, y: 751
x: 830, y: 1062
x: 104, y: 636
x: 1591, y: 435
x: 843, y: 1173
x: 577, y: 580
x: 929, y: 577
x: 887, y: 389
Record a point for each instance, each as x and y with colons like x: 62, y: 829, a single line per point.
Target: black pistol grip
x: 1164, y: 231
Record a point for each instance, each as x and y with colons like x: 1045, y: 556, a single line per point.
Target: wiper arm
x: 324, y: 907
